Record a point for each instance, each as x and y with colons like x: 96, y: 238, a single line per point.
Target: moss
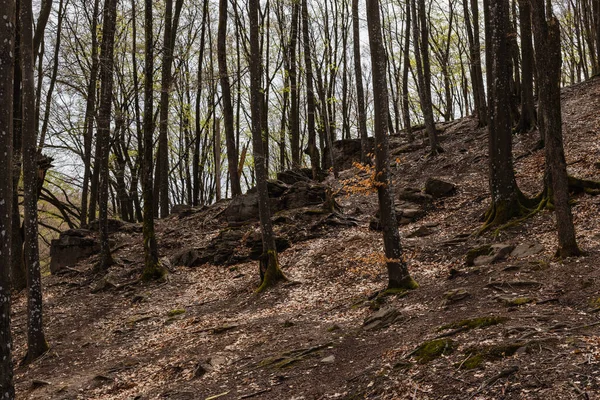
x: 519, y: 301
x: 429, y: 351
x: 273, y: 273
x: 477, y: 355
x: 475, y: 323
x: 408, y: 283
x: 399, y: 292
x: 175, y: 312
x: 595, y: 302
x: 477, y: 252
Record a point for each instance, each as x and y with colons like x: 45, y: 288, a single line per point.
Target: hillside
x: 523, y: 326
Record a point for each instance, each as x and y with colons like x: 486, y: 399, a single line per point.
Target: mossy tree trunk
x: 36, y: 341
x: 7, y: 59
x: 507, y: 200
x: 270, y: 272
x: 398, y: 276
x: 548, y: 53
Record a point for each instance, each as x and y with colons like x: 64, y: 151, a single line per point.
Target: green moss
x: 429, y: 351
x: 477, y: 355
x: 175, y: 312
x: 273, y: 273
x: 595, y: 302
x: 477, y: 252
x: 519, y: 301
x: 154, y: 272
x: 475, y: 323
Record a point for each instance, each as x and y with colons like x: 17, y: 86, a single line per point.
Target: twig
x: 249, y: 395
x: 502, y: 374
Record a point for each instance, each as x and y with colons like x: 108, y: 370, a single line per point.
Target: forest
x: 294, y: 199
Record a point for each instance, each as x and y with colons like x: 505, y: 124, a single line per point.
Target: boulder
x: 383, y: 318
x: 488, y: 254
x: 413, y: 195
x: 114, y: 225
x: 72, y: 246
x: 292, y: 176
x: 346, y: 152
x: 439, y: 188
x: 524, y: 250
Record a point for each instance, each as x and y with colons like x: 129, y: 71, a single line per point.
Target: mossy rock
x: 430, y: 350
x: 472, y: 254
x: 176, y: 312
x: 475, y: 323
x: 478, y: 355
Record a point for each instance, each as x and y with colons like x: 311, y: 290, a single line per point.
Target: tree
x: 152, y: 267
x: 507, y: 199
x: 294, y: 95
x: 421, y: 44
x: 104, y: 117
x: 270, y: 272
x: 36, y: 341
x: 312, y: 150
x: 7, y: 60
x: 548, y: 53
x: 360, y: 95
x: 232, y: 151
x: 472, y: 28
x: 528, y: 118
x: 398, y: 276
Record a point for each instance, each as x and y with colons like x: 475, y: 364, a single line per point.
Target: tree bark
x: 7, y: 59
x: 360, y: 94
x: 294, y: 95
x: 548, y: 53
x: 36, y: 341
x: 270, y: 272
x: 232, y: 151
x: 312, y: 150
x: 398, y: 276
x: 104, y: 117
x: 528, y: 117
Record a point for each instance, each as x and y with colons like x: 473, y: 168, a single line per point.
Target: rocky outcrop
x: 439, y: 188
x: 72, y: 246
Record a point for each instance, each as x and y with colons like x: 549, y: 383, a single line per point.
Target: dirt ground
x: 205, y: 334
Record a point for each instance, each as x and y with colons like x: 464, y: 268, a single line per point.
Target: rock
x: 455, y: 295
x: 189, y: 257
x: 488, y: 254
x: 381, y: 319
x: 414, y: 195
x: 72, y: 246
x: 347, y: 152
x: 524, y: 250
x: 421, y: 232
x: 256, y: 247
x: 404, y: 216
x: 439, y: 188
x: 38, y: 383
x: 114, y: 225
x: 328, y: 360
x: 292, y: 176
x: 180, y: 208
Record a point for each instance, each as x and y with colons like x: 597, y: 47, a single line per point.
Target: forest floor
x: 205, y: 334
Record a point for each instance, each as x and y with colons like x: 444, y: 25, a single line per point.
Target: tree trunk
x: 217, y: 156
x: 36, y: 342
x: 548, y: 53
x: 421, y: 44
x: 528, y: 118
x: 270, y: 272
x: 294, y: 95
x: 312, y: 150
x: 7, y: 59
x: 405, y: 70
x: 232, y: 151
x: 360, y: 94
x: 396, y: 265
x: 104, y: 117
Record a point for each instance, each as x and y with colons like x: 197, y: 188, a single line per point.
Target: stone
x: 328, y: 360
x: 189, y: 257
x: 414, y: 195
x: 180, y: 208
x: 455, y: 295
x: 292, y: 176
x: 524, y: 250
x: 488, y: 254
x: 382, y: 318
x: 114, y: 225
x: 71, y: 247
x: 439, y: 188
x: 421, y: 232
x: 346, y: 152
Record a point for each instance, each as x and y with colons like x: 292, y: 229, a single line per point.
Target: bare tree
x: 398, y: 276
x: 360, y: 94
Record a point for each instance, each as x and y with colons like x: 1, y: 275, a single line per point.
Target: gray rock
x: 382, y: 318
x: 524, y: 250
x: 328, y: 360
x: 72, y: 246
x: 414, y: 195
x: 455, y: 295
x: 439, y: 188
x: 497, y: 253
x: 421, y: 232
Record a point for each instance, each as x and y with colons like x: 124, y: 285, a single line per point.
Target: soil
x: 204, y: 333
